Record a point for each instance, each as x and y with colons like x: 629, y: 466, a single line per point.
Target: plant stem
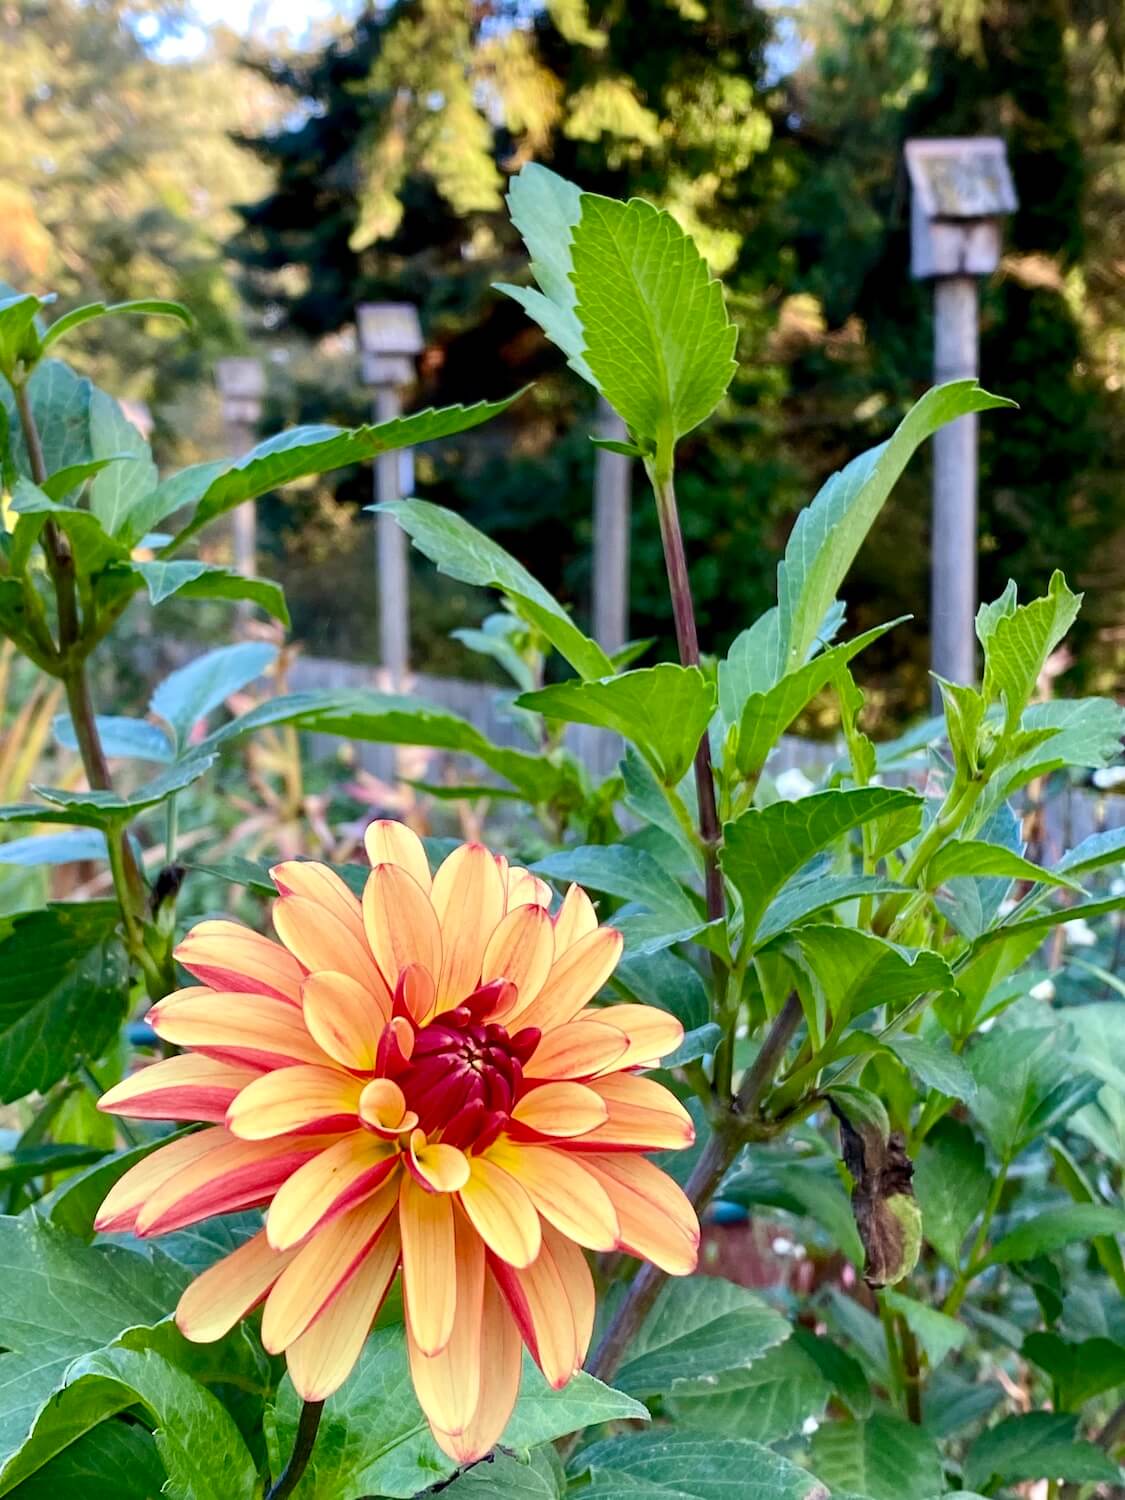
x: 894, y: 1353
x: 311, y: 1412
x: 971, y: 1268
x: 912, y: 1371
x: 717, y: 1157
x: 687, y: 638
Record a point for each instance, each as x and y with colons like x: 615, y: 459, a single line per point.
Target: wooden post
x: 611, y: 534
x: 391, y: 558
x: 242, y: 387
x: 954, y: 541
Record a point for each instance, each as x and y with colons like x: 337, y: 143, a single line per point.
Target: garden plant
x: 369, y: 1205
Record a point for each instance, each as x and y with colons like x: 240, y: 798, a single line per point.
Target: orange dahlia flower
x: 416, y: 1079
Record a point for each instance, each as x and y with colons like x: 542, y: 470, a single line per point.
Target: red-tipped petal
x: 391, y: 843
x: 501, y: 1212
x: 429, y: 1265
x: 574, y: 980
x: 333, y: 1181
x: 258, y: 1030
x: 563, y: 1191
x: 345, y: 1018
x: 561, y: 1110
x: 299, y: 1100
x: 657, y: 1221
x: 522, y: 950
x: 580, y: 1049
x: 189, y: 1087
x: 468, y: 896
x: 232, y: 958
x: 229, y: 1289
x: 400, y: 922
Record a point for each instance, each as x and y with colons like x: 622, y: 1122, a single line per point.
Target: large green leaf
x: 823, y: 544
x: 1055, y: 1228
x: 974, y: 857
x: 464, y: 553
x: 113, y: 1461
x: 657, y: 336
x: 93, y: 547
x: 620, y: 870
x: 60, y: 406
x: 804, y: 895
x: 19, y: 339
x: 700, y: 1327
x: 1086, y: 911
x: 936, y: 1064
x: 671, y: 1465
x: 194, y: 691
x: 884, y: 1458
x: 1017, y: 640
x: 666, y: 981
x: 1039, y: 1445
x: 1094, y: 852
x: 663, y: 710
x: 951, y: 1180
x: 62, y: 992
x: 1027, y: 1079
x: 765, y: 846
x: 1085, y: 732
x: 505, y: 1478
x: 856, y: 970
x: 772, y: 1399
x: 198, y: 580
x: 1080, y: 1370
x: 115, y: 809
x: 132, y: 739
x: 120, y: 486
x: 937, y: 1333
x: 374, y: 1439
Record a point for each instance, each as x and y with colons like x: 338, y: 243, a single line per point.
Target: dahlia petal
x: 259, y: 1030
x: 540, y: 1303
x: 579, y: 1283
x: 580, y: 1049
x: 189, y: 1087
x: 501, y: 1212
x: 320, y: 940
x: 657, y: 1220
x: 642, y: 1114
x: 400, y: 921
x: 652, y: 1033
x: 328, y: 1185
x: 448, y: 1384
x: 561, y: 1109
x: 565, y: 1194
x: 321, y: 1268
x: 575, y: 918
x: 325, y: 1354
x: 320, y: 884
x: 522, y: 950
x: 574, y: 980
x: 121, y: 1204
x: 297, y: 1100
x: 500, y: 1356
x: 429, y: 1265
x: 227, y: 956
x: 440, y: 1168
x: 237, y: 1174
x: 415, y: 993
x: 229, y: 1289
x: 526, y: 889
x: 391, y: 843
x: 382, y: 1107
x: 345, y: 1018
x: 468, y: 896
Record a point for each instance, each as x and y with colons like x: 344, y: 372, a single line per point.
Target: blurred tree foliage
x: 117, y: 175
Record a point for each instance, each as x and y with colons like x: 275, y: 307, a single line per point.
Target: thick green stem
x: 303, y: 1444
x: 958, y: 805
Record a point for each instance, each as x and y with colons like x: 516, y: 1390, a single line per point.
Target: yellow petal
x: 526, y: 889
x: 300, y: 1100
x: 382, y: 1106
x: 468, y: 896
x: 120, y: 1206
x: 574, y: 1273
x: 324, y: 1356
x: 259, y: 1030
x: 188, y: 1087
x: 321, y: 941
x: 541, y: 1305
x: 566, y: 1195
x: 227, y: 956
x: 416, y: 993
x: 321, y: 885
x: 344, y: 1018
x: 642, y: 1113
x: 501, y: 1212
x: 522, y: 950
x: 575, y: 918
x: 574, y: 980
x: 652, y: 1033
x: 561, y: 1109
x: 442, y: 1169
x: 392, y: 843
x: 501, y: 1361
x: 580, y: 1049
x: 657, y: 1221
x: 236, y: 1175
x: 401, y: 924
x: 322, y: 1268
x: 229, y: 1289
x: 332, y: 1182
x: 448, y: 1384
x: 429, y: 1264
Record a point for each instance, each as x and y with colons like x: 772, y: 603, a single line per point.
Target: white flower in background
x: 1109, y: 779
x: 792, y: 784
x: 1079, y: 934
x: 1044, y: 990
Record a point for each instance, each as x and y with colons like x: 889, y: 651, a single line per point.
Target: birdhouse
x: 960, y: 190
x: 390, y: 335
x: 242, y: 387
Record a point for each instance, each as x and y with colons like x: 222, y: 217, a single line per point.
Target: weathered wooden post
x: 960, y: 190
x: 241, y: 380
x: 611, y: 534
x: 390, y: 335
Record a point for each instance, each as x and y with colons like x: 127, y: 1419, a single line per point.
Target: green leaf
x: 178, y: 492
x: 121, y: 486
x: 24, y: 1163
x: 504, y: 1478
x: 766, y: 716
x: 62, y: 992
x: 803, y: 896
x: 152, y: 307
x: 663, y: 710
x: 198, y: 580
x: 93, y: 547
x: 964, y: 717
x: 938, y: 1066
x: 823, y: 1199
x: 657, y: 337
x: 951, y: 1181
x: 964, y: 857
x: 1080, y: 1370
x: 462, y: 552
x: 883, y: 1458
x: 1054, y: 1229
x: 856, y: 971
x: 1094, y: 853
x: 1039, y: 1445
x: 195, y: 691
x: 843, y: 1373
x: 765, y: 846
x: 823, y: 544
x: 700, y: 1327
x: 114, y: 1461
x: 1018, y: 639
x: 237, y: 871
x: 671, y: 1465
x: 1086, y: 732
x: 55, y: 848
x: 74, y: 1206
x: 131, y: 739
x: 952, y: 1404
x: 772, y: 1399
x: 620, y: 870
x: 666, y: 981
x: 545, y: 208
x: 938, y: 1334
x: 19, y: 340
x: 302, y: 451
x: 60, y: 484
x: 109, y: 809
x: 374, y: 1440
x: 749, y: 666
x: 1026, y: 1080
x: 60, y: 406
